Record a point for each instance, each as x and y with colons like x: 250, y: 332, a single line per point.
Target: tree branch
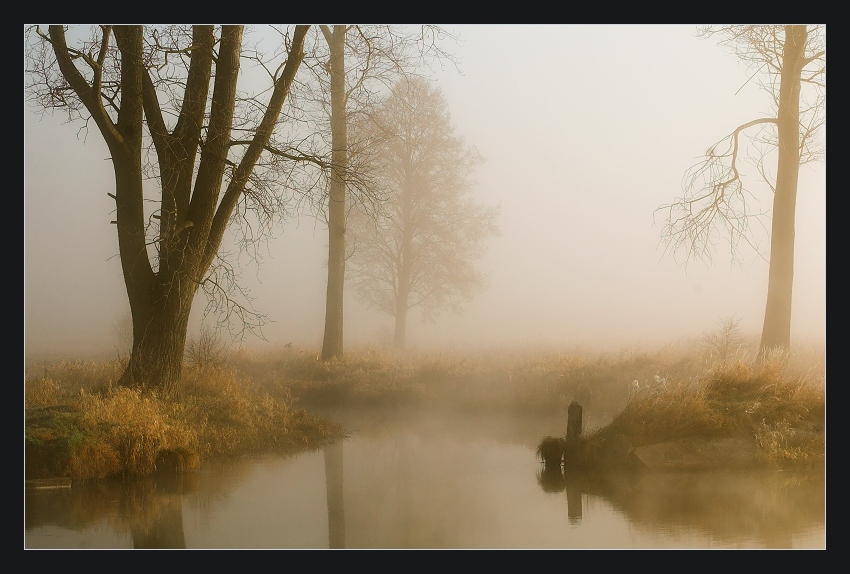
x: 90, y: 98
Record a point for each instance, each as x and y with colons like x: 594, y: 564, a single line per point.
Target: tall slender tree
x: 152, y: 84
x: 421, y: 250
x: 359, y: 64
x: 790, y: 64
x: 333, y: 338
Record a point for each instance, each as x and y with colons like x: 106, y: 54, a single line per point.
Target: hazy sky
x: 586, y: 130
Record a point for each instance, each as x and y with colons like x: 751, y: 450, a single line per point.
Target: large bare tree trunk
x: 777, y: 317
x: 332, y: 345
x: 160, y: 302
x: 159, y: 339
x: 192, y: 217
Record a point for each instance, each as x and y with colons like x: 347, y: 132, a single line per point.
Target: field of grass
x: 501, y: 379
x: 79, y: 424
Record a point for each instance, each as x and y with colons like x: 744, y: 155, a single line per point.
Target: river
x: 417, y: 481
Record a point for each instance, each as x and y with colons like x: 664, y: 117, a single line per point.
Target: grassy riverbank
x: 79, y: 424
x: 784, y: 411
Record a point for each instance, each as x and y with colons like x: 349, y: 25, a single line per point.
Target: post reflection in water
x: 552, y: 478
x: 573, y: 502
x: 334, y: 481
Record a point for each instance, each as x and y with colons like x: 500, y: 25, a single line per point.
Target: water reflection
x: 162, y: 506
x: 760, y: 506
x: 166, y: 530
x: 148, y: 512
x: 573, y: 501
x: 550, y: 478
x: 430, y: 486
x: 770, y: 506
x: 334, y: 482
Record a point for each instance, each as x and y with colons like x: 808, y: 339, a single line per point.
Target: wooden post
x: 572, y: 444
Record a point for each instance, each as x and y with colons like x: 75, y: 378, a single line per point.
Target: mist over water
x: 430, y: 482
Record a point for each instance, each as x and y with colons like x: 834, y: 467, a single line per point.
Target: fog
x: 586, y: 130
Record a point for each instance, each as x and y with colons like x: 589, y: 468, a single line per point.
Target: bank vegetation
x: 79, y: 423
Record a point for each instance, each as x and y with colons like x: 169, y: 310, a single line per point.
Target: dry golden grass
x: 43, y: 392
x: 61, y: 382
x: 233, y: 415
x: 77, y: 414
x: 781, y: 402
x: 542, y: 381
x: 128, y: 428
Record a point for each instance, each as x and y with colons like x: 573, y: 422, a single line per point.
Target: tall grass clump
x: 780, y: 402
x: 42, y: 392
x: 62, y: 381
x: 126, y: 430
x: 79, y: 423
x: 669, y: 413
x: 232, y: 414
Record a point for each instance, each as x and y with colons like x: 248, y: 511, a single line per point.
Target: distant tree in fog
x: 724, y: 341
x: 420, y: 250
x: 165, y: 101
x: 352, y: 65
x: 789, y: 63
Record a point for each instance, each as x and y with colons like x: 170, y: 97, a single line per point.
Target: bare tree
x: 332, y: 344
x: 166, y: 101
x: 421, y: 250
x: 207, y: 349
x: 724, y: 341
x: 354, y: 66
x: 789, y: 62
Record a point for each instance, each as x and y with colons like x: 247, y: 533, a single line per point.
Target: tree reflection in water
x: 159, y: 521
x: 334, y: 481
x: 150, y: 509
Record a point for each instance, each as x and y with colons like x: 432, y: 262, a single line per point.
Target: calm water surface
x: 417, y: 482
